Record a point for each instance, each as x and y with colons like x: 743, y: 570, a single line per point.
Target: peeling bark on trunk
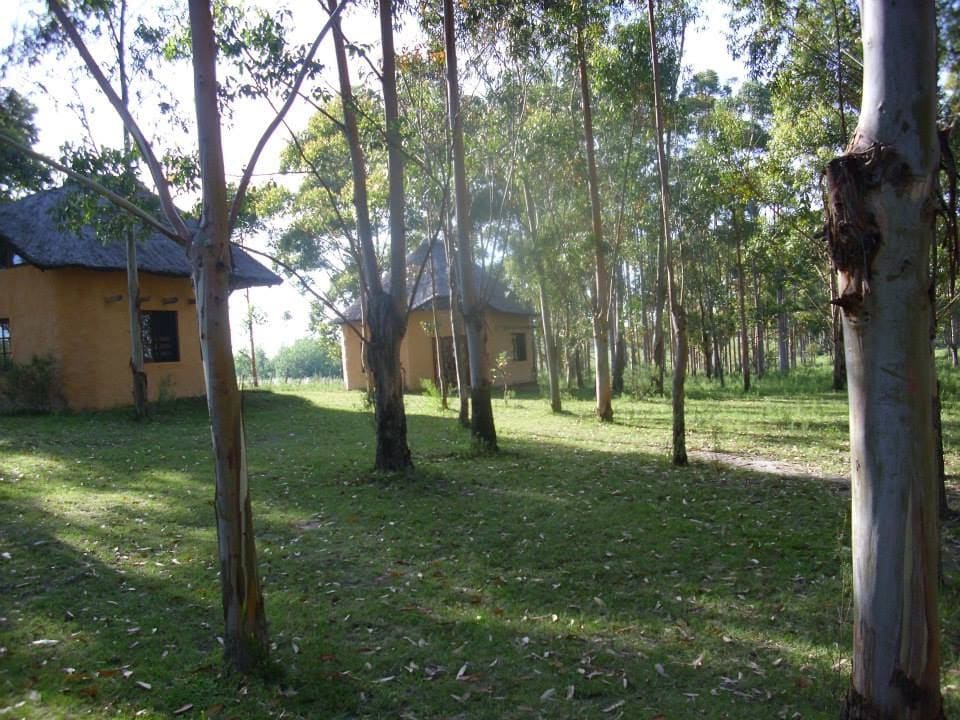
x: 879, y: 229
x: 245, y: 624
x: 481, y: 423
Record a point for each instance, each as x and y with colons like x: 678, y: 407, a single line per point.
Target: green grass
x: 576, y: 574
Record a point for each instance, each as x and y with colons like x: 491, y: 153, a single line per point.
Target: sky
x: 53, y: 87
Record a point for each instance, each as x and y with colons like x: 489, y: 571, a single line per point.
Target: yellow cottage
x: 63, y: 295
x: 509, y: 327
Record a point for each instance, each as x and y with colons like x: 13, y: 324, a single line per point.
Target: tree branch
x: 275, y: 123
x: 156, y: 170
x: 119, y: 201
x: 306, y: 285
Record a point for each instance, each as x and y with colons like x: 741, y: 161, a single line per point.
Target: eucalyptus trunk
x: 836, y: 328
x: 137, y: 372
x: 254, y: 375
x: 678, y: 314
x: 742, y: 305
x: 473, y: 306
x: 601, y: 273
x: 245, y: 625
x: 546, y: 321
x: 660, y: 299
x: 456, y: 328
x: 139, y: 375
x: 386, y: 319
x: 760, y: 343
x: 783, y: 330
x: 880, y: 227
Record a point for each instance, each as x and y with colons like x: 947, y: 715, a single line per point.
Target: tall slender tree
x: 208, y: 247
x: 482, y: 424
x: 678, y: 314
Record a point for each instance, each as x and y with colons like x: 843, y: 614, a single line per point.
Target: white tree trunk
x: 880, y: 226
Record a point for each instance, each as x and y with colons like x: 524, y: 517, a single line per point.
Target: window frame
x: 6, y: 343
x: 518, y: 345
x: 160, y: 333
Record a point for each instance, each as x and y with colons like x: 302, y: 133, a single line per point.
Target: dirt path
x: 764, y: 465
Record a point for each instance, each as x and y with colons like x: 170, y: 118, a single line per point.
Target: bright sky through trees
x: 54, y: 87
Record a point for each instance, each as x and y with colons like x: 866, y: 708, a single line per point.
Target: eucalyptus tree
x: 207, y: 244
x: 550, y: 251
x: 482, y: 424
x: 674, y: 296
x: 879, y: 230
x: 810, y: 52
x: 385, y: 309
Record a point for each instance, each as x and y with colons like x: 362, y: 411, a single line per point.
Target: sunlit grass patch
x: 576, y: 574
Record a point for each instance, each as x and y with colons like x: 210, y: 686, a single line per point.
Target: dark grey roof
x: 436, y: 289
x: 30, y: 226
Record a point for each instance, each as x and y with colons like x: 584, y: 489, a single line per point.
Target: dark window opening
x: 519, y: 346
x: 158, y: 328
x: 6, y: 350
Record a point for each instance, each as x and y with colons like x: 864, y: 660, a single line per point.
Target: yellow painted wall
x: 417, y: 349
x: 351, y: 356
x: 73, y: 315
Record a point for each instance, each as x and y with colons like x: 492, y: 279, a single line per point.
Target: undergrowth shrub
x: 32, y: 387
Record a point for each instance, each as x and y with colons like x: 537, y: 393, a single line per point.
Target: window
x: 158, y: 328
x: 519, y: 346
x: 5, y: 348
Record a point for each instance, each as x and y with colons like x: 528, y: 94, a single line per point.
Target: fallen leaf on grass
x: 214, y: 710
x: 548, y: 694
x: 44, y: 643
x: 615, y: 706
x: 697, y: 661
x: 144, y: 685
x: 660, y: 671
x: 386, y: 679
x: 89, y: 691
x: 183, y: 708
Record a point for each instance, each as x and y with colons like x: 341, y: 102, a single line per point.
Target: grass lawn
x: 576, y: 574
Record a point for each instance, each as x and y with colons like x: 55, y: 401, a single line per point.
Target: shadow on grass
x: 478, y: 586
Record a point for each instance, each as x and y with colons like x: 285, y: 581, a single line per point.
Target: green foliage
x: 307, y: 358
x: 18, y: 175
x: 31, y: 387
x: 84, y: 208
x: 265, y: 366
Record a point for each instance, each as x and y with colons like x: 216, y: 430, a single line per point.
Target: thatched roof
x: 435, y: 287
x: 30, y: 227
